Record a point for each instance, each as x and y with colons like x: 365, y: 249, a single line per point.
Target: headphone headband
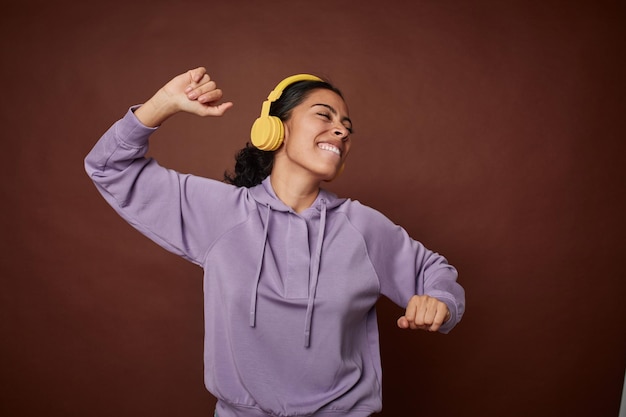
x: 278, y: 90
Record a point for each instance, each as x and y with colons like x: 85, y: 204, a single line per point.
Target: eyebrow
x: 333, y: 111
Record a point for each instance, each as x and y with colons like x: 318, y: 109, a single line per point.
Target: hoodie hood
x: 265, y: 196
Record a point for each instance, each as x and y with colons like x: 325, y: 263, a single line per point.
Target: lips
x: 331, y: 148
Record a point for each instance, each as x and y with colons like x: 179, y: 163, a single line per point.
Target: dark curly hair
x: 253, y: 165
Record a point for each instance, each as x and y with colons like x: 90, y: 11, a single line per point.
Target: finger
x: 215, y: 110
x: 205, y: 79
x: 421, y: 318
x: 196, y: 74
x: 196, y: 77
x: 441, y: 313
x: 411, y: 310
x: 196, y: 91
x: 430, y: 311
x: 403, y: 323
x: 209, y: 94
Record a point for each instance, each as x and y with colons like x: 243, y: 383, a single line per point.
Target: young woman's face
x: 317, y: 135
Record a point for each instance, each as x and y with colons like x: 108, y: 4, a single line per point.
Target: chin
x: 334, y: 175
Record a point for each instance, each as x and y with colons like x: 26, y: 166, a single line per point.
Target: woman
x: 292, y: 273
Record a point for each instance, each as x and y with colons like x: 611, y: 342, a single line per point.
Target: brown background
x: 493, y: 131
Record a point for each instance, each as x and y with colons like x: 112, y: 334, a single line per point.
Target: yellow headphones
x: 268, y: 131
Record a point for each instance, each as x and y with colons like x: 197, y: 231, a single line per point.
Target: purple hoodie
x: 290, y: 324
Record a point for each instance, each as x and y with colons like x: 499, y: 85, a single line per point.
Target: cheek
x: 299, y: 137
x: 347, y: 149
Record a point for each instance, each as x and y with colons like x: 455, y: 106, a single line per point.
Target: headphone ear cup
x: 267, y: 133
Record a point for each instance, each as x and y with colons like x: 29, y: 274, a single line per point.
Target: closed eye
x: 328, y: 117
x: 345, y: 120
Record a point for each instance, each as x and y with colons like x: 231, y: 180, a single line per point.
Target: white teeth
x: 329, y: 147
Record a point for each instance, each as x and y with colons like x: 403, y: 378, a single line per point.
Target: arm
x: 168, y: 207
x: 412, y: 276
x: 439, y: 301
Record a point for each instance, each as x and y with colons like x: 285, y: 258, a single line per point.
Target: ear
x: 286, y: 130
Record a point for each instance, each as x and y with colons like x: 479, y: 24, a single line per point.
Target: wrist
x: 156, y: 110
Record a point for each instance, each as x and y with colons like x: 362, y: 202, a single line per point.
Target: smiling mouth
x: 330, y: 148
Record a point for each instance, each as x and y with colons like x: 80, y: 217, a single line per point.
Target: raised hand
x: 192, y: 92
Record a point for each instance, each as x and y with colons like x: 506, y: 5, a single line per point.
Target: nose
x: 341, y: 132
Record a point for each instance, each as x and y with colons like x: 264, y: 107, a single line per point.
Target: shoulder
x: 222, y: 199
x: 366, y: 219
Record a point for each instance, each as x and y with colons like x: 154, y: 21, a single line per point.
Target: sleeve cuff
x: 131, y: 131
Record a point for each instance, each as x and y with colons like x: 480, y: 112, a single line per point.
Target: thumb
x: 215, y: 109
x: 403, y: 323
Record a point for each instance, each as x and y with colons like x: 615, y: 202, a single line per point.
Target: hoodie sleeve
x: 405, y: 267
x: 177, y: 211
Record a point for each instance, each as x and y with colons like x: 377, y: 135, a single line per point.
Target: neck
x: 296, y: 192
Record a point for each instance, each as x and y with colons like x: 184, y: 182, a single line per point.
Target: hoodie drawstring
x: 314, y: 274
x: 255, y: 288
x: 315, y: 269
